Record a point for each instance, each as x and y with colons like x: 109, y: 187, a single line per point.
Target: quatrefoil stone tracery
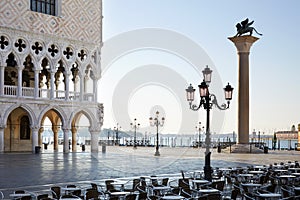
x: 20, y: 45
x: 68, y: 52
x: 53, y: 50
x: 37, y: 48
x: 3, y: 42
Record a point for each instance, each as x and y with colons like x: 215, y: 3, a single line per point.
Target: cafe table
x: 161, y: 189
x: 172, y: 197
x: 17, y: 195
x: 207, y: 191
x: 251, y: 186
x: 68, y: 190
x: 121, y: 194
x: 269, y: 195
x: 199, y: 182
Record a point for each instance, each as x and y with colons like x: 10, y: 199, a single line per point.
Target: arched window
x: 24, y: 128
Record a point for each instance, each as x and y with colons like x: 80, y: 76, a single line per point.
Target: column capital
x: 243, y: 43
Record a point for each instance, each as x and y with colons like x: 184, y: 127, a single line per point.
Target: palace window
x: 45, y: 6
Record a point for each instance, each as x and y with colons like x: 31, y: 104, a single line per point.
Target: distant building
x: 287, y: 135
x: 49, y: 68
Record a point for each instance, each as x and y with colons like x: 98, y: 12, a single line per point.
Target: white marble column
x: 19, y: 91
x: 35, y: 132
x: 243, y: 44
x: 66, y: 140
x: 95, y: 91
x: 2, y: 80
x: 41, y: 130
x: 55, y: 138
x: 95, y: 140
x: 74, y: 139
x: 52, y: 79
x: 2, y: 139
x: 81, y: 88
x: 36, y: 83
x: 67, y: 86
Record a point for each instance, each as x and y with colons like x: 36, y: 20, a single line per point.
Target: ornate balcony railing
x: 28, y: 93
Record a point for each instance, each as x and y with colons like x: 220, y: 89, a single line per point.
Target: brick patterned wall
x: 79, y: 20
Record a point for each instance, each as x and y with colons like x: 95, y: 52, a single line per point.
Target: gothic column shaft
x: 95, y: 141
x: 2, y: 80
x: 66, y: 140
x: 55, y: 138
x: 74, y: 139
x: 95, y: 90
x: 19, y: 91
x: 67, y: 87
x: 52, y: 79
x: 1, y: 139
x: 34, y: 138
x: 36, y: 83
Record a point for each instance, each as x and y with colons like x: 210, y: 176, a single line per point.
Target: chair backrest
x: 41, y: 196
x: 247, y: 197
x: 71, y: 186
x: 56, y: 192
x: 165, y: 181
x: 219, y: 185
x: 19, y: 192
x: 214, y: 196
x: 130, y: 197
x: 185, y: 193
x: 154, y: 181
x: 135, y: 183
x: 142, y: 196
x: 285, y: 192
x: 91, y: 194
x: 1, y: 195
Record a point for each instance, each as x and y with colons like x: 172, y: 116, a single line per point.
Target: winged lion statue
x: 245, y: 27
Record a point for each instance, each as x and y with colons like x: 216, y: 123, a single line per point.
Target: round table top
x: 170, y: 197
x: 119, y: 193
x: 269, y: 195
x: 208, y: 190
x: 296, y: 174
x: 161, y: 187
x: 287, y: 176
x: 20, y: 195
x: 70, y: 188
x: 256, y: 172
x: 245, y: 175
x: 296, y: 188
x: 251, y: 184
x: 200, y: 181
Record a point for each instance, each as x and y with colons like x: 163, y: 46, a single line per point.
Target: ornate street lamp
x: 134, y: 126
x: 156, y: 122
x: 207, y: 100
x: 198, y: 128
x: 116, y: 129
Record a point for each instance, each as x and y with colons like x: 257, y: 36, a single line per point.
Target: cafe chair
x: 42, y: 196
x: 56, y: 192
x: 130, y: 196
x: 91, y: 195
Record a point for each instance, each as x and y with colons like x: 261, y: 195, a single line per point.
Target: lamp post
x: 156, y: 122
x: 199, y: 132
x: 116, y: 129
x: 207, y: 100
x: 134, y: 126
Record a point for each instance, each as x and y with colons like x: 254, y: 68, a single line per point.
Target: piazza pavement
x: 38, y: 172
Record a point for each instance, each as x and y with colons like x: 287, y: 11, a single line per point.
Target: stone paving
x: 35, y: 172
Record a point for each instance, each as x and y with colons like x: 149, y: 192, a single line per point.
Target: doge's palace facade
x: 49, y: 68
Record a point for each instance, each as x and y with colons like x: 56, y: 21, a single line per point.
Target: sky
x: 153, y: 49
